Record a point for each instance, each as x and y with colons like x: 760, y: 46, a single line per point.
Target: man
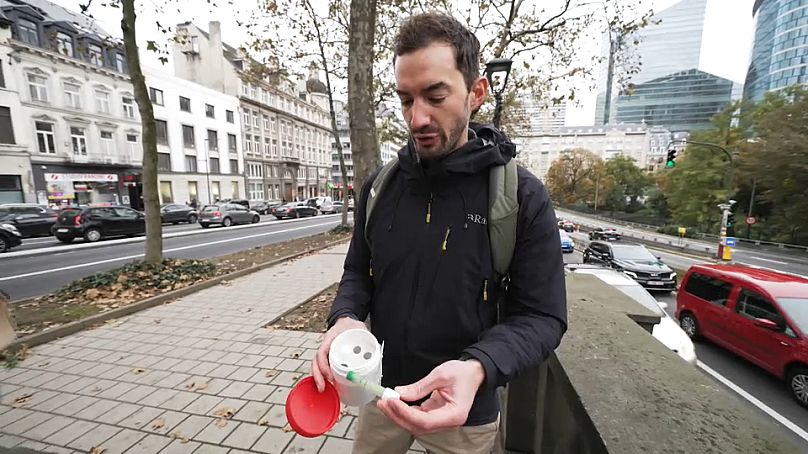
x: 423, y: 271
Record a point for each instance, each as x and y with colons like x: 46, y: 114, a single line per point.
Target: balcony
x: 612, y: 388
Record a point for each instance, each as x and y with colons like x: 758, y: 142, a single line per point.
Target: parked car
x: 294, y: 210
x: 176, y: 213
x: 324, y: 204
x: 227, y: 214
x: 265, y: 206
x: 607, y: 233
x: 9, y: 237
x: 95, y: 223
x: 566, y: 225
x: 759, y: 314
x: 30, y: 220
x: 567, y: 245
x: 337, y: 206
x: 635, y: 261
x: 667, y: 331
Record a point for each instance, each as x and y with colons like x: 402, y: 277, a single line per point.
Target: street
x: 48, y: 265
x: 730, y: 370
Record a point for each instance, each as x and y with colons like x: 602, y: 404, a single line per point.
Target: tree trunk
x: 151, y: 202
x: 361, y: 111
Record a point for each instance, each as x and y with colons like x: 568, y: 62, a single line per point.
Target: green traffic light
x: 670, y: 164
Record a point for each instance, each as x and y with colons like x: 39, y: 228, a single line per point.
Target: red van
x: 759, y: 314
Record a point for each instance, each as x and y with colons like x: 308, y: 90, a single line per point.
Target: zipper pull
x: 485, y: 290
x: 370, y: 268
x: 446, y: 239
x: 429, y: 210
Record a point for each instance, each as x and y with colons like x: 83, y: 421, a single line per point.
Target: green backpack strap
x: 503, y: 214
x: 376, y: 189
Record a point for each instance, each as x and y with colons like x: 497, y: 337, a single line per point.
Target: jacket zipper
x: 444, y: 247
x: 370, y: 268
x: 485, y: 290
x: 429, y: 209
x: 415, y: 284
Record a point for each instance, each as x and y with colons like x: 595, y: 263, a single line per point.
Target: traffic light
x: 730, y: 224
x: 671, y: 157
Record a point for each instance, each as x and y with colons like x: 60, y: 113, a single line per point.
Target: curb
x: 79, y: 325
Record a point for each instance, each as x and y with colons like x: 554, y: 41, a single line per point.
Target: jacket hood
x: 486, y: 147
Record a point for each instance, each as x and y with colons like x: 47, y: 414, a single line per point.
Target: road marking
x: 765, y: 408
x: 768, y: 260
x: 129, y: 257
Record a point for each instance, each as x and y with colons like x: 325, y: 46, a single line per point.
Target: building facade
x: 285, y: 127
x: 76, y: 116
x: 780, y: 51
x: 199, y: 156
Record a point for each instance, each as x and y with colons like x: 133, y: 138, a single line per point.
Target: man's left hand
x: 451, y: 387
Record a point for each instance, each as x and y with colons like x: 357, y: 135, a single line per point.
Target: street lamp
x: 497, y: 72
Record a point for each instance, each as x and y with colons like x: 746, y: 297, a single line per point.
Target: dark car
x: 294, y: 210
x: 265, y: 206
x: 31, y: 220
x: 95, y: 223
x: 567, y: 226
x: 634, y: 260
x: 608, y: 233
x: 9, y: 237
x: 176, y: 213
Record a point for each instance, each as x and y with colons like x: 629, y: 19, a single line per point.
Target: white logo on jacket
x: 476, y: 218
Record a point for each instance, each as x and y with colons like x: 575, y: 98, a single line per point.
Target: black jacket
x: 427, y: 279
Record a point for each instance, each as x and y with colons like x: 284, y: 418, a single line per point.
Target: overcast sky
x: 727, y: 39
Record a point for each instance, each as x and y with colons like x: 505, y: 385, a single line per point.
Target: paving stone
x: 274, y: 351
x: 214, y: 385
x: 152, y: 377
x: 192, y: 425
x: 286, y: 378
x: 55, y: 402
x: 173, y: 380
x: 97, y: 409
x: 42, y: 378
x: 203, y: 368
x: 222, y: 371
x: 274, y: 441
x: 58, y: 383
x: 10, y: 441
x: 303, y: 445
x: 252, y: 412
x: 117, y: 372
x: 94, y: 438
x: 158, y: 397
x: 351, y: 433
x: 52, y: 425
x: 138, y: 393
x: 180, y: 400
x: 21, y: 426
x: 244, y: 436
x: 150, y: 444
x: 243, y: 373
x: 236, y: 389
x: 259, y: 392
x: 166, y: 422
x: 210, y: 449
x: 76, y: 405
x: 69, y: 433
x: 276, y: 416
x: 119, y: 413
x: 214, y: 434
x: 140, y: 418
x: 341, y: 427
x: 35, y: 445
x: 249, y: 360
x: 203, y: 405
x: 122, y: 441
x: 334, y: 445
x: 178, y: 447
x: 289, y: 364
x: 279, y: 395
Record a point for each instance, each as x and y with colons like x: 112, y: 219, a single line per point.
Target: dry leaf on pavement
x: 97, y: 450
x: 263, y: 422
x: 224, y: 414
x: 22, y: 399
x: 226, y: 283
x: 138, y: 370
x: 183, y: 439
x: 23, y: 352
x: 271, y: 373
x: 158, y: 424
x: 287, y: 428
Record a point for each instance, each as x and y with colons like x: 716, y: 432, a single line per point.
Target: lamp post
x: 497, y: 72
x: 207, y: 166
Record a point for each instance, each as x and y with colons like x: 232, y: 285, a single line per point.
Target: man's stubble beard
x: 448, y: 145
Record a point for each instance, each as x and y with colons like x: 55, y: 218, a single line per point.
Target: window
x: 256, y: 191
x: 128, y: 107
x: 257, y: 144
x: 708, y: 288
x: 102, y: 101
x: 37, y: 87
x: 255, y: 119
x: 248, y: 143
x: 264, y: 96
x: 78, y: 141
x: 190, y: 163
x: 44, y: 138
x: 234, y: 166
x: 229, y: 116
x: 120, y: 63
x: 162, y: 132
x: 215, y: 190
x: 107, y: 143
x: 164, y: 161
x: 156, y: 96
x: 231, y: 143
x: 245, y: 88
x: 73, y: 95
x: 95, y: 55
x: 2, y: 77
x: 267, y: 145
x: 266, y: 122
x: 210, y: 111
x: 166, y: 196
x: 64, y: 44
x: 188, y: 140
x: 253, y: 92
x: 213, y: 140
x: 28, y: 32
x: 214, y: 165
x: 193, y: 191
x: 185, y: 104
x: 753, y: 305
x: 234, y: 189
x: 247, y: 118
x: 6, y: 130
x: 134, y: 149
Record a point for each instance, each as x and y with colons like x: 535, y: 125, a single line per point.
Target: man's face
x: 434, y: 99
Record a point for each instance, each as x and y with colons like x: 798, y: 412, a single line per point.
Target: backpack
x: 503, y: 211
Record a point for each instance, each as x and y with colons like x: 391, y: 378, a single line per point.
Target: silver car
x: 227, y: 214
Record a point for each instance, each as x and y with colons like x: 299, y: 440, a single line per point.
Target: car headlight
x: 632, y: 274
x: 12, y: 229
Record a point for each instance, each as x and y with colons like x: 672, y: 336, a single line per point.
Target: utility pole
x: 749, y: 212
x: 597, y: 185
x: 726, y: 243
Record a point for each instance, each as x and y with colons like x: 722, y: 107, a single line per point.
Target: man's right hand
x: 320, y: 368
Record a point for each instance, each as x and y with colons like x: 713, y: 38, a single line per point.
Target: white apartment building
x: 76, y: 116
x: 632, y: 140
x: 285, y: 128
x: 199, y: 156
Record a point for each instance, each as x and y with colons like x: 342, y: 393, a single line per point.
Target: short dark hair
x: 421, y: 30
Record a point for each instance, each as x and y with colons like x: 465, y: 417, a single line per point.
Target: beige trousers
x: 377, y: 434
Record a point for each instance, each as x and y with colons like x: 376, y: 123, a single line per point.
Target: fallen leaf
x: 22, y: 399
x: 138, y: 370
x: 23, y: 352
x: 157, y: 321
x: 190, y: 385
x: 158, y: 424
x: 43, y: 364
x: 97, y: 450
x: 184, y: 440
x: 271, y: 373
x: 224, y: 412
x: 296, y: 355
x: 221, y: 422
x: 287, y: 428
x: 97, y: 389
x: 263, y: 422
x: 201, y: 386
x: 92, y: 293
x: 226, y: 283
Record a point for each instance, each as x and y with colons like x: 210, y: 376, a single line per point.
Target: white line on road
x: 768, y: 260
x: 129, y: 257
x: 765, y: 408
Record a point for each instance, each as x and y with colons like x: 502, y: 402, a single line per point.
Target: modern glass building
x: 780, y: 53
x: 683, y: 101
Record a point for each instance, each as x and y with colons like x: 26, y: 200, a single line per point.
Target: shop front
x: 63, y: 186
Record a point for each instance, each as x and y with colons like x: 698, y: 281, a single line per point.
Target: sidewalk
x: 153, y: 382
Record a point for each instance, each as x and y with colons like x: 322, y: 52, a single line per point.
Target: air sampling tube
x: 380, y: 391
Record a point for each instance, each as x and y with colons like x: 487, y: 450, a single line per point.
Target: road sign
x: 750, y: 220
x: 682, y: 231
x: 730, y: 241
